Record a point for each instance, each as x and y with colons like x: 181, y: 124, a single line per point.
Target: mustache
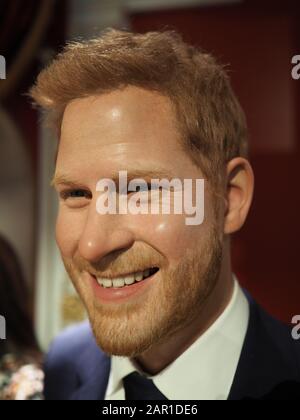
x: 121, y: 264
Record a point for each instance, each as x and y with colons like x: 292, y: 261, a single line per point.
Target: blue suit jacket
x: 269, y: 366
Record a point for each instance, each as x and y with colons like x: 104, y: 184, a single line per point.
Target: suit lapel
x: 265, y: 360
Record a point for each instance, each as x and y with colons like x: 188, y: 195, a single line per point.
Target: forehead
x: 130, y: 129
x: 130, y: 117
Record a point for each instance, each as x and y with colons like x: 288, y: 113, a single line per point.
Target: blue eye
x: 75, y: 194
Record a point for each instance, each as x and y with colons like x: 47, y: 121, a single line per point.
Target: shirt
x: 204, y: 371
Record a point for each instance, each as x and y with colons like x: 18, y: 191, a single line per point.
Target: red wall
x: 258, y: 43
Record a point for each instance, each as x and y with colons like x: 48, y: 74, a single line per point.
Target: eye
x: 75, y: 194
x: 140, y: 188
x: 143, y: 188
x: 155, y: 187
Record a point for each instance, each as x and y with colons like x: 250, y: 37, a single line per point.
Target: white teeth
x: 139, y: 276
x: 122, y: 281
x: 106, y: 282
x: 129, y: 280
x: 118, y: 282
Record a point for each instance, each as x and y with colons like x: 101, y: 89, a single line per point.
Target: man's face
x: 133, y: 130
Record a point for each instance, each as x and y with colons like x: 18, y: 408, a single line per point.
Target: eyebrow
x: 60, y: 179
x: 147, y: 174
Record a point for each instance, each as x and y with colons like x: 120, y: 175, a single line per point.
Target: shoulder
x: 70, y: 343
x: 279, y: 336
x: 269, y: 365
x: 68, y: 361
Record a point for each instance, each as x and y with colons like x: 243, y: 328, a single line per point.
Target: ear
x: 239, y: 193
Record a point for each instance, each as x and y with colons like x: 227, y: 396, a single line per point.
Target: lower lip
x: 118, y: 294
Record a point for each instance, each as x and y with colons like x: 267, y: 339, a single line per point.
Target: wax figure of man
x: 167, y: 317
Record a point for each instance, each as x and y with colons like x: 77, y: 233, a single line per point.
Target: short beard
x: 172, y: 303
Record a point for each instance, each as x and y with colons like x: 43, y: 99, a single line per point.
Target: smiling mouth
x: 128, y: 279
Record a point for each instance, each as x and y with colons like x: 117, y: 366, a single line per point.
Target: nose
x: 104, y: 234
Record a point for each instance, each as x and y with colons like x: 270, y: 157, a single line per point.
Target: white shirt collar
x: 205, y: 371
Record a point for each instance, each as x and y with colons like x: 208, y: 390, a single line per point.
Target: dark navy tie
x: 138, y: 387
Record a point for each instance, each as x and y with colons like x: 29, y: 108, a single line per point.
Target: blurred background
x: 256, y: 39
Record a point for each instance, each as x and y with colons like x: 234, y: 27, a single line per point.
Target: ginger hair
x: 210, y: 119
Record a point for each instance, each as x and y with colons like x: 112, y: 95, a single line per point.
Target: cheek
x: 169, y: 234
x: 67, y: 232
